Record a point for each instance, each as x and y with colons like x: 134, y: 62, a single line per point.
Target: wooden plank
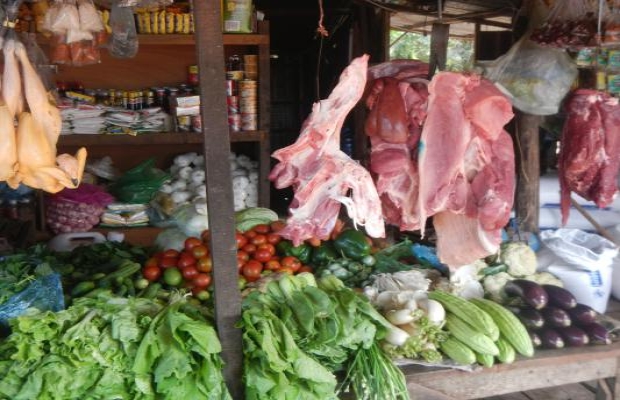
x: 264, y: 115
x: 572, y: 392
x: 549, y: 368
x: 216, y: 147
x: 527, y: 154
x: 439, y: 48
x: 164, y: 138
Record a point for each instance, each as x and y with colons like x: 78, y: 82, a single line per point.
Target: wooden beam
x: 216, y: 146
x: 527, y: 154
x: 439, y: 48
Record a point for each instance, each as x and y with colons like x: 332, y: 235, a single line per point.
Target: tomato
x: 168, y: 262
x: 204, y: 264
x: 262, y: 228
x: 273, y: 238
x: 173, y: 277
x: 202, y: 280
x: 262, y: 255
x: 267, y: 246
x: 189, y: 272
x: 191, y: 242
x: 314, y: 241
x: 250, y: 234
x: 241, y: 240
x: 243, y: 255
x: 249, y: 248
x: 272, y: 265
x: 153, y: 261
x: 185, y: 260
x: 277, y: 225
x: 259, y: 239
x: 171, y: 253
x: 200, y: 251
x: 252, y: 270
x: 151, y: 273
x: 290, y: 262
x: 205, y: 236
x: 158, y: 255
x: 305, y: 268
x: 201, y: 293
x: 286, y: 271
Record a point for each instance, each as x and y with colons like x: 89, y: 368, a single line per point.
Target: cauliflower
x: 494, y: 285
x: 519, y: 258
x: 545, y: 278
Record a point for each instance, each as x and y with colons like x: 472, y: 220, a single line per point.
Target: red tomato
x: 241, y: 240
x: 252, y: 270
x: 151, y: 273
x: 168, y: 262
x: 153, y: 261
x: 261, y: 255
x: 259, y: 239
x: 262, y: 228
x: 204, y: 264
x: 185, y: 260
x: 287, y: 271
x: 191, y: 242
x: 267, y: 246
x: 202, y: 280
x: 243, y: 255
x: 272, y: 265
x: 305, y: 268
x: 290, y: 262
x: 250, y: 234
x: 200, y: 251
x: 249, y: 248
x: 277, y: 225
x: 158, y: 255
x: 205, y: 236
x: 171, y: 253
x: 189, y: 272
x: 273, y: 238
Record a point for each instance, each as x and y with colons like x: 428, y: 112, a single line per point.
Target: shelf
x: 179, y: 39
x: 137, y: 236
x: 153, y: 139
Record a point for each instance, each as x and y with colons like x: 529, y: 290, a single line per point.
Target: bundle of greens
x: 112, y: 348
x: 298, y: 334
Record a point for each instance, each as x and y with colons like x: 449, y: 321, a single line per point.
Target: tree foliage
x: 418, y: 46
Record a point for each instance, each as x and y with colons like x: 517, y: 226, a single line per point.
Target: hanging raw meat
x: 323, y: 177
x: 589, y: 156
x: 8, y: 144
x: 11, y: 79
x: 466, y: 164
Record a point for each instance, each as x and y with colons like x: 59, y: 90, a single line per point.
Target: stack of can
x: 232, y: 99
x: 248, y: 104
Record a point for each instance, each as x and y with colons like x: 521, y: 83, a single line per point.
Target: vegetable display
x: 111, y: 347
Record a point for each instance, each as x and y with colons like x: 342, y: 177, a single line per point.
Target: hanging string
x: 321, y: 29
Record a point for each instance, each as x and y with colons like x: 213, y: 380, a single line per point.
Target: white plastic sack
x: 583, y: 261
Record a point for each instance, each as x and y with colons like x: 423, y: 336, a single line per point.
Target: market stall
x: 241, y: 302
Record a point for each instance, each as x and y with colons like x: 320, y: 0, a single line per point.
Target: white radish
x: 396, y: 336
x: 400, y: 317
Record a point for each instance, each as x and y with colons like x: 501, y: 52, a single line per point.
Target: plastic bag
x: 535, y: 78
x: 139, y: 184
x: 570, y: 24
x: 44, y: 293
x: 124, y: 39
x: 583, y: 261
x: 190, y: 221
x: 172, y: 238
x: 76, y: 210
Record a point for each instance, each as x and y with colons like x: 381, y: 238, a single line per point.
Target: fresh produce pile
x: 553, y: 316
x: 299, y: 332
x: 112, y: 347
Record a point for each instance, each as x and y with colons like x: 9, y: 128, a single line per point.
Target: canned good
x: 233, y: 104
x: 234, y: 75
x: 601, y: 79
x: 249, y: 122
x: 231, y: 87
x: 192, y: 75
x: 234, y: 122
x: 196, y: 122
x: 184, y: 123
x: 613, y: 59
x: 585, y: 57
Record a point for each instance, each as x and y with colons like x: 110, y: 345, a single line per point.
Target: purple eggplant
x: 535, y: 338
x: 597, y: 333
x: 550, y: 339
x: 574, y: 336
x: 560, y: 297
x: 530, y: 317
x: 582, y: 314
x: 555, y: 317
x: 530, y: 292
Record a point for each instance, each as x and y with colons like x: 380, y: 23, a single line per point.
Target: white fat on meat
x: 322, y: 176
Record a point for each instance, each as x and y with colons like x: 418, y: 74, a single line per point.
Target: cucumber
x: 457, y: 351
x: 475, y: 340
x: 82, y: 288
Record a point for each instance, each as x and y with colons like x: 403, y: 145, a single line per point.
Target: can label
x: 184, y: 123
x: 613, y: 59
x: 196, y: 121
x: 234, y: 122
x: 234, y: 75
x: 231, y: 87
x: 249, y: 122
x: 192, y: 75
x: 233, y: 104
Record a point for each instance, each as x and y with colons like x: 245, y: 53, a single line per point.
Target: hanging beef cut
x: 589, y: 156
x: 323, y: 177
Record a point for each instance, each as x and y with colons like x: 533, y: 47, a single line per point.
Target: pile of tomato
x: 189, y: 268
x: 257, y: 253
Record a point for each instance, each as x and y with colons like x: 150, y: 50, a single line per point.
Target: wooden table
x: 548, y: 368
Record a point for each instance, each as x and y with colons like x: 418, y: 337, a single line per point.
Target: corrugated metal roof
x: 419, y: 15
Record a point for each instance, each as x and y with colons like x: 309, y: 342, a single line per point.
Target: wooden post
x: 439, y: 48
x: 527, y: 159
x: 216, y: 146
